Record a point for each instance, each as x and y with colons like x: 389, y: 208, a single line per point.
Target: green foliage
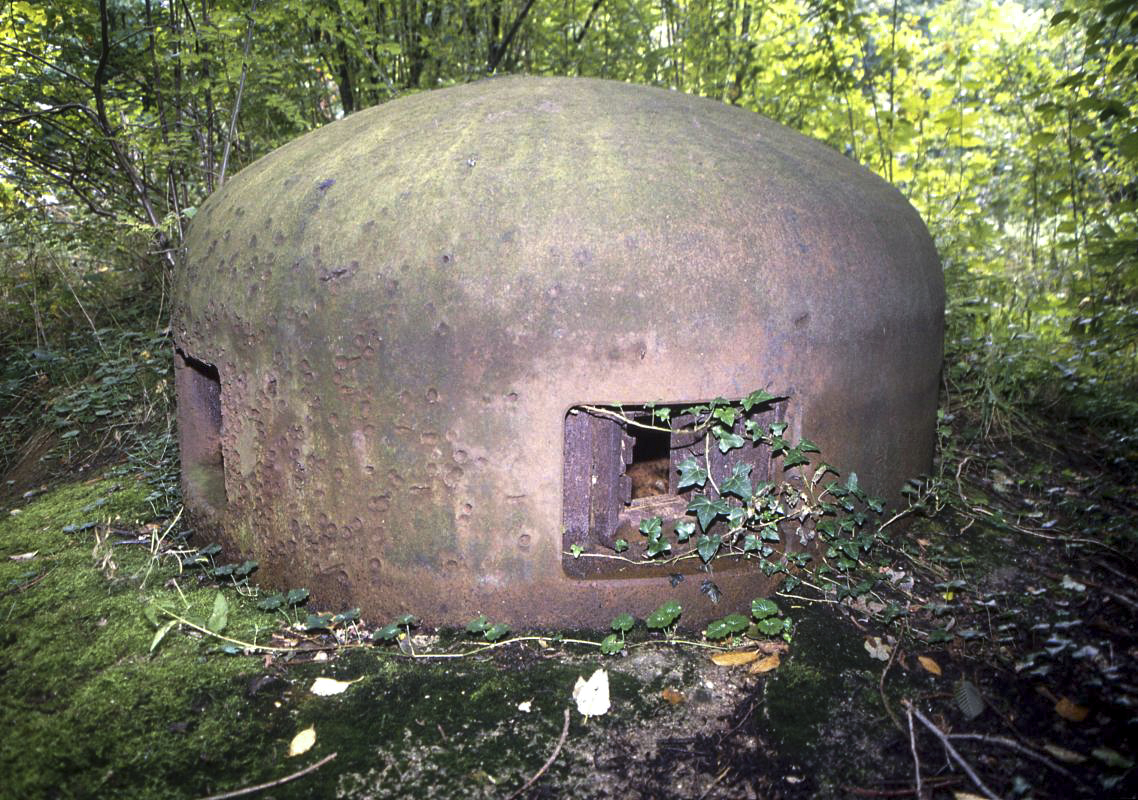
x: 491, y: 631
x: 623, y: 622
x: 729, y: 625
x: 665, y: 616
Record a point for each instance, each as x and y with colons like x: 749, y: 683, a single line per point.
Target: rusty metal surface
x: 402, y: 307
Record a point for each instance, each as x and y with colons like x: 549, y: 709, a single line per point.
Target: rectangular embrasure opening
x: 622, y: 465
x: 199, y: 423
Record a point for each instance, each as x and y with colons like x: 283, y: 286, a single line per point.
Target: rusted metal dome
x: 382, y: 329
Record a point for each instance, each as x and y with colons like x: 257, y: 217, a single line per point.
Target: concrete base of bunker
x: 397, y: 315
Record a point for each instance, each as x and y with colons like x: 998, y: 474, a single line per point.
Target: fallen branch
x: 1011, y: 744
x: 549, y: 762
x: 881, y: 686
x: 262, y: 786
x: 955, y: 756
x: 913, y: 749
x: 904, y: 791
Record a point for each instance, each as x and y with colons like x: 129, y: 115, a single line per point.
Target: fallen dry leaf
x: 592, y: 695
x: 672, y: 696
x: 325, y: 687
x: 302, y: 742
x: 765, y: 665
x: 772, y: 646
x: 878, y: 648
x: 1070, y: 710
x: 929, y: 665
x: 25, y: 556
x: 735, y: 658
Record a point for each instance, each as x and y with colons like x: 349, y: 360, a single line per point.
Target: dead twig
x: 262, y: 786
x: 549, y: 762
x: 905, y: 791
x: 955, y: 756
x: 881, y: 684
x: 1011, y: 744
x: 916, y: 758
x: 27, y: 584
x: 715, y: 782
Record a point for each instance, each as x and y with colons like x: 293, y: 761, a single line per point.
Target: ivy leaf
x: 754, y: 430
x: 691, y: 473
x: 706, y: 509
x: 794, y: 458
x: 651, y: 527
x: 726, y: 415
x: 708, y: 546
x: 822, y: 469
x: 620, y: 545
x: 756, y: 398
x: 658, y: 545
x: 807, y: 446
x: 751, y: 543
x: 685, y: 529
x: 727, y: 440
x: 736, y: 517
x: 777, y: 429
x: 663, y: 414
x: 739, y: 482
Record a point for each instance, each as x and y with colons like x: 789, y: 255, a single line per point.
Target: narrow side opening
x: 198, y: 386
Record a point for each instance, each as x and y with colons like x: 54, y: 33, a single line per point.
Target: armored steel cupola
x: 390, y: 333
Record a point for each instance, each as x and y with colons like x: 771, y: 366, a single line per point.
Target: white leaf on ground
x: 1072, y: 584
x: 302, y: 742
x: 526, y: 706
x: 326, y: 687
x: 25, y: 556
x: 592, y: 695
x: 877, y: 648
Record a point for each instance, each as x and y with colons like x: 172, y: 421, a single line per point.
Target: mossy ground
x: 1042, y: 628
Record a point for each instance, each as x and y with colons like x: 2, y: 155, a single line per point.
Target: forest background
x: 1009, y: 126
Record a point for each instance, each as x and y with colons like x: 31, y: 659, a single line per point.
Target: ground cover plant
x: 985, y: 648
